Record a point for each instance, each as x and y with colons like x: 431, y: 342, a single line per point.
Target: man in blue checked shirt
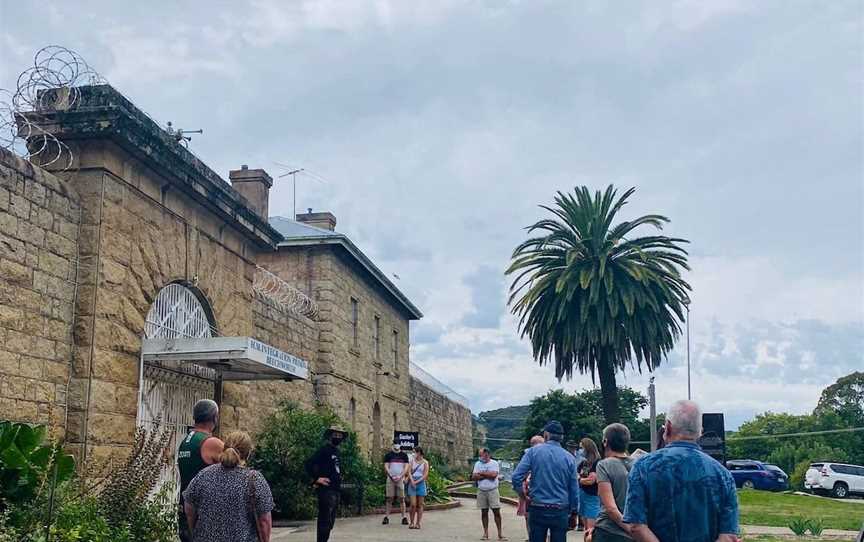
x: 679, y: 493
x: 553, y: 489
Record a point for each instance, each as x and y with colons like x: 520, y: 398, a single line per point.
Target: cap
x: 554, y: 427
x: 336, y: 429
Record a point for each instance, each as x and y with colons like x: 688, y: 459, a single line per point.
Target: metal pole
x: 652, y: 402
x: 689, y: 396
x: 294, y: 178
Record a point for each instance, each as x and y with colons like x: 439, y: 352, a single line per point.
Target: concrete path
x: 456, y: 525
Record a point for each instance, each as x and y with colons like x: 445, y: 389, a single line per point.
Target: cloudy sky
x: 441, y: 126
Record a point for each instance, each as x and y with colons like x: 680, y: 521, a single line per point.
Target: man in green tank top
x: 198, y: 449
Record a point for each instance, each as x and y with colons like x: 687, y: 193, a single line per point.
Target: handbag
x: 250, y: 504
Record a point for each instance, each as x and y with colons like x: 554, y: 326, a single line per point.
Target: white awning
x: 235, y: 358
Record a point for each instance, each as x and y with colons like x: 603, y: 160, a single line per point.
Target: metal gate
x: 168, y: 394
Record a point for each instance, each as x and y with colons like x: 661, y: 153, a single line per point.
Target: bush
x: 28, y: 463
x: 119, y: 509
x: 291, y: 436
x: 799, y: 526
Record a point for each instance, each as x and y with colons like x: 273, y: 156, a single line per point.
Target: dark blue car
x: 752, y: 474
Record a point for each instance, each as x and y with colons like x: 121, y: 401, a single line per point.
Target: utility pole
x: 652, y: 402
x: 689, y: 395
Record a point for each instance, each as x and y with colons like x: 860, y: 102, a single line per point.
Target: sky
x: 440, y: 127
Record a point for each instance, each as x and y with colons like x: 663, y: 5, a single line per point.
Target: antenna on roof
x: 293, y: 172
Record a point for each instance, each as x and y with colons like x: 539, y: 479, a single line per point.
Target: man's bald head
x: 683, y: 421
x: 536, y: 439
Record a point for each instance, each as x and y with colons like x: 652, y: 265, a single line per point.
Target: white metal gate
x: 168, y: 394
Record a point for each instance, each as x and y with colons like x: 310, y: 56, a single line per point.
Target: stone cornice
x: 103, y: 113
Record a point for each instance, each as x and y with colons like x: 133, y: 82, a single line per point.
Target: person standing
x: 228, y: 502
x: 524, y: 501
x: 197, y: 450
x: 396, y: 469
x: 589, y: 502
x: 574, y: 448
x: 680, y: 493
x: 417, y: 490
x: 554, y: 488
x: 485, y: 473
x: 612, y: 485
x: 325, y: 469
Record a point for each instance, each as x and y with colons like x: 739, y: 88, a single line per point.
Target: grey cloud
x: 487, y: 297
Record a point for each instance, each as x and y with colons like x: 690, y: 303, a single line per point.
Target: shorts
x: 488, y: 499
x: 417, y: 491
x: 589, y: 505
x: 602, y: 535
x: 394, y: 489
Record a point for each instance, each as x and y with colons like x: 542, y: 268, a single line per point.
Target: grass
x: 778, y: 509
x: 770, y: 538
x: 504, y: 488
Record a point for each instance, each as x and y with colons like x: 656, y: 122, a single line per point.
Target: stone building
x: 137, y: 281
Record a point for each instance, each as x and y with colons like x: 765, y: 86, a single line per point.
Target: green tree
x: 581, y: 413
x: 845, y: 398
x: 591, y: 298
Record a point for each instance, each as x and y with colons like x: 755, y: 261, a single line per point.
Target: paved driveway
x: 459, y: 524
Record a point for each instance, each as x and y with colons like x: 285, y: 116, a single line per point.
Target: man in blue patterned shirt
x: 679, y: 493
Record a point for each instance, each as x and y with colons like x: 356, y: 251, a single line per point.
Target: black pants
x: 182, y: 525
x: 543, y: 521
x: 328, y: 504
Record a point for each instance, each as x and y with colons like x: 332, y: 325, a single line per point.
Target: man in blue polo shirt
x: 553, y: 488
x: 679, y: 493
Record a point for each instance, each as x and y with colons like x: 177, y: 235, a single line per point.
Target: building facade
x: 136, y: 281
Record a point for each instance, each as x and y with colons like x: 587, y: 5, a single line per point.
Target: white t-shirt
x: 487, y: 484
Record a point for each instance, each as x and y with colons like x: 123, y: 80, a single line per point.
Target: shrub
x: 291, y: 436
x: 799, y: 526
x: 28, y: 463
x: 118, y: 508
x: 815, y: 526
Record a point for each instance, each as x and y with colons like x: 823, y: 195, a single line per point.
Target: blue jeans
x: 543, y: 520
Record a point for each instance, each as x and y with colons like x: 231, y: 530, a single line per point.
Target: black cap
x: 554, y: 427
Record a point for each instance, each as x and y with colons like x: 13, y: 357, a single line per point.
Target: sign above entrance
x: 407, y: 440
x: 235, y: 358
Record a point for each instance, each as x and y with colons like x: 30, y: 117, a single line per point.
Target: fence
x: 439, y: 387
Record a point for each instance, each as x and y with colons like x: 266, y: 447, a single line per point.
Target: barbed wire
x: 52, y: 83
x: 268, y: 286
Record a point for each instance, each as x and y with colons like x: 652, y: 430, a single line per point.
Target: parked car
x: 751, y: 474
x: 837, y: 479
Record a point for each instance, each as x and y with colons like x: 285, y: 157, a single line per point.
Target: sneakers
x: 385, y: 521
x: 404, y: 521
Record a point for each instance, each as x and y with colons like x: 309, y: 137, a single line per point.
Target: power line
x: 802, y: 434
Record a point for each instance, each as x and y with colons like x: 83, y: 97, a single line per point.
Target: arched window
x: 352, y: 414
x: 178, y: 312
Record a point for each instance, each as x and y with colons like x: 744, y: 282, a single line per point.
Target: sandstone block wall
x: 349, y: 377
x: 444, y: 426
x: 39, y: 218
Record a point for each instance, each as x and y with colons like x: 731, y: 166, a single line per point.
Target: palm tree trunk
x: 608, y: 391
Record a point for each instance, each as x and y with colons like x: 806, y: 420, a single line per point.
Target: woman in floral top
x: 228, y: 502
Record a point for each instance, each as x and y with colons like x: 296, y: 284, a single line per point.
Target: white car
x: 838, y: 479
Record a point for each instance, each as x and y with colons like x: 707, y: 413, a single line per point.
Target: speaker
x: 713, y: 439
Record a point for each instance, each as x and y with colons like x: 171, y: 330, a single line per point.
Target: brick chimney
x: 254, y: 185
x: 325, y: 220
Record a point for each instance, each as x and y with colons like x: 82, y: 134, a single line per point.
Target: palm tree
x: 591, y: 299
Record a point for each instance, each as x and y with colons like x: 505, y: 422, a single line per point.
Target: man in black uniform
x: 324, y: 469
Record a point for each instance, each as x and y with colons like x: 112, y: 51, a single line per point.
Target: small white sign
x: 272, y: 356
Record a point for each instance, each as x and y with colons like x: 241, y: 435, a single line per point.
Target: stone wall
x: 245, y: 405
x: 349, y: 377
x: 444, y: 426
x: 39, y: 219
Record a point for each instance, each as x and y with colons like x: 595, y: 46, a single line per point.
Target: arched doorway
x: 167, y: 394
x: 376, y: 431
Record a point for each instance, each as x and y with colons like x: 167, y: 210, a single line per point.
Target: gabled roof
x: 298, y: 234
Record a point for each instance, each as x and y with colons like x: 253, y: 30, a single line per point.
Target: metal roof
x: 298, y: 234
